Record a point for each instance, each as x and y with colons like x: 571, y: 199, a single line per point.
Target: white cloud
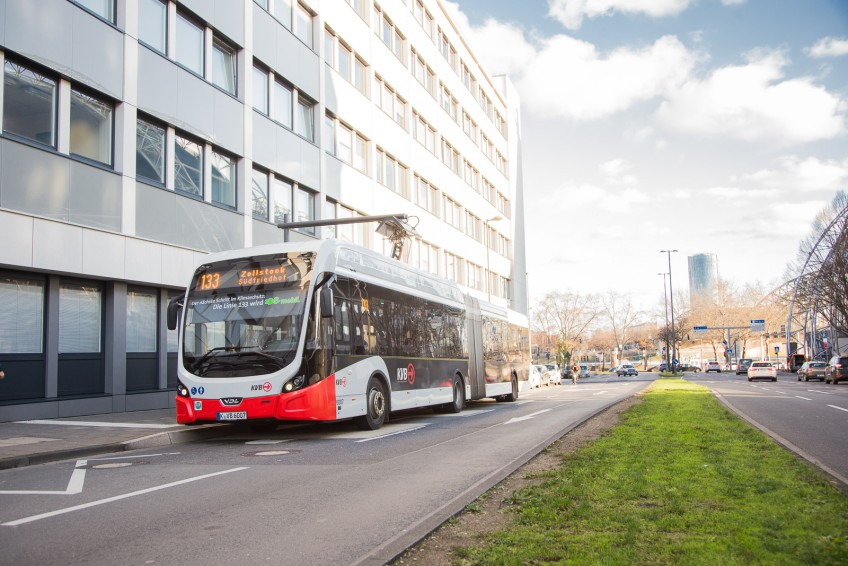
x: 752, y: 102
x: 616, y: 172
x: 793, y: 174
x: 828, y: 47
x: 572, y: 12
x: 733, y: 2
x: 569, y: 78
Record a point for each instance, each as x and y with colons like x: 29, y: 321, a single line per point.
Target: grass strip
x: 680, y: 480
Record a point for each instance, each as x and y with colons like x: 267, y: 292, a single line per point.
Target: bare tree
x: 621, y: 315
x: 567, y: 315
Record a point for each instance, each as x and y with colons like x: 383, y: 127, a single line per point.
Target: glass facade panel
x: 224, y: 67
x: 281, y: 195
x: 91, y: 128
x: 283, y: 97
x: 103, y: 8
x: 153, y: 24
x: 304, y: 25
x: 304, y: 208
x: 260, y: 90
x: 79, y: 319
x: 142, y: 311
x: 259, y: 194
x: 304, y: 119
x: 150, y: 151
x: 189, y: 45
x: 29, y: 104
x: 21, y: 316
x: 223, y: 179
x: 188, y: 166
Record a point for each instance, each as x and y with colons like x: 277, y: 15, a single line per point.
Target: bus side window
x: 342, y: 319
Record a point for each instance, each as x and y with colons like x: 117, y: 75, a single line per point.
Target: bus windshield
x: 245, y: 317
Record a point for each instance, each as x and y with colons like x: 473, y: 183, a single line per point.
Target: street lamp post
x: 488, y: 264
x: 665, y: 297
x: 671, y: 293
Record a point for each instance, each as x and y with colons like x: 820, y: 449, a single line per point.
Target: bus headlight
x: 295, y: 383
x: 182, y: 390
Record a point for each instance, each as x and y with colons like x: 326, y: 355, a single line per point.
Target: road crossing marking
x: 74, y: 485
x: 116, y: 498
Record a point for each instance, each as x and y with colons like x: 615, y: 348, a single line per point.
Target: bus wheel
x: 513, y: 395
x: 376, y: 407
x: 458, y: 397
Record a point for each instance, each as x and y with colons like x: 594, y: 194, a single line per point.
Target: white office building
x: 139, y: 135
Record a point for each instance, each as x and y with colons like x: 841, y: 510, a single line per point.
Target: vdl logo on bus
x: 406, y: 374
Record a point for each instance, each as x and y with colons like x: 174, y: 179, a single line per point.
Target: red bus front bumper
x: 313, y: 403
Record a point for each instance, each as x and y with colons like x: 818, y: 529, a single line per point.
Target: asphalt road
x: 810, y: 418
x: 318, y: 494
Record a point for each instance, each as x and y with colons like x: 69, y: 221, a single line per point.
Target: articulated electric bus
x: 326, y: 330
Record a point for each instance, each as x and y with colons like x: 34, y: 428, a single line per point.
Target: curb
x: 201, y: 432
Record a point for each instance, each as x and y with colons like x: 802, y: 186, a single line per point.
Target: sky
x: 702, y: 126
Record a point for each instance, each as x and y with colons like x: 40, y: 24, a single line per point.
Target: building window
x: 304, y: 122
x: 281, y: 197
x: 303, y: 29
x: 142, y: 309
x: 223, y: 179
x: 150, y: 151
x: 259, y: 194
x: 188, y: 166
x: 189, y: 45
x: 360, y: 153
x: 79, y: 319
x: 360, y: 75
x: 283, y: 12
x: 153, y: 24
x: 329, y: 214
x: 260, y: 90
x: 29, y: 104
x: 103, y: 8
x: 283, y: 97
x: 304, y: 208
x: 224, y: 66
x: 91, y: 128
x: 262, y: 4
x: 21, y: 316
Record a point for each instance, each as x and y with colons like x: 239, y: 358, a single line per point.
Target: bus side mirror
x: 175, y: 305
x: 326, y: 303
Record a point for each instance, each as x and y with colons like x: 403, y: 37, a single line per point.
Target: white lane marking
x: 98, y: 424
x: 526, y: 417
x: 840, y: 408
x: 463, y: 414
x: 822, y: 392
x: 116, y: 498
x: 804, y: 398
x: 392, y: 434
x: 74, y: 484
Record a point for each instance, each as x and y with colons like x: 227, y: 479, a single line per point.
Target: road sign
x: 728, y: 351
x: 777, y: 349
x: 700, y: 329
x: 758, y: 325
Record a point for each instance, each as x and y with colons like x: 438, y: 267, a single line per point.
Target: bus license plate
x: 233, y: 416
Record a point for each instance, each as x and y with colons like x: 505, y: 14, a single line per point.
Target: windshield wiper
x: 235, y: 351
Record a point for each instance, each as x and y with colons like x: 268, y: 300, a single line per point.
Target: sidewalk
x: 25, y: 443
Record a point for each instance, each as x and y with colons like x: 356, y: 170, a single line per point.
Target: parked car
x: 566, y: 372
x: 584, y: 371
x: 743, y: 365
x: 543, y: 373
x: 762, y: 370
x: 693, y: 369
x: 554, y: 377
x: 535, y: 377
x: 712, y: 365
x: 837, y: 369
x: 625, y: 370
x: 812, y: 370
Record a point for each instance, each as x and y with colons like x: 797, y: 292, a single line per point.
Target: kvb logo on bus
x: 406, y: 374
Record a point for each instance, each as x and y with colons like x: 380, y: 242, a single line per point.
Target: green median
x: 680, y: 480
